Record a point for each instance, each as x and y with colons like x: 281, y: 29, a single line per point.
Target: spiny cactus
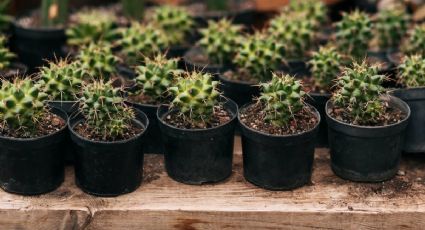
x: 54, y: 12
x: 5, y: 55
x: 21, y: 104
x: 195, y: 96
x: 62, y: 80
x: 326, y: 65
x: 282, y: 97
x: 353, y: 34
x: 415, y: 44
x: 98, y: 61
x: 4, y: 18
x: 315, y: 11
x: 359, y: 91
x: 411, y: 72
x: 295, y: 32
x: 259, y: 55
x: 140, y: 41
x: 220, y: 40
x: 155, y: 77
x: 91, y: 26
x: 175, y: 21
x: 391, y: 27
x: 104, y: 110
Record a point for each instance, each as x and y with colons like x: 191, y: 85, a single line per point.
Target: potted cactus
x: 9, y: 68
x: 413, y: 43
x: 150, y: 90
x: 278, y: 135
x: 32, y: 137
x: 108, y: 136
x: 256, y: 58
x: 198, y: 130
x: 411, y: 79
x: 216, y: 48
x: 366, y: 127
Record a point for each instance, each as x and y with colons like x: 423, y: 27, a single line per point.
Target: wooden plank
x: 328, y: 202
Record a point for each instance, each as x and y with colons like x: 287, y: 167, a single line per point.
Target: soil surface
x: 88, y: 132
x: 241, y: 76
x: 254, y: 117
x: 311, y: 87
x: 143, y: 99
x: 49, y: 123
x: 10, y: 73
x: 220, y: 117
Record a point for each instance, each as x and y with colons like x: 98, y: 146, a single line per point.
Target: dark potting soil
x: 221, y: 116
x: 144, y: 99
x: 48, y: 123
x: 33, y: 20
x: 9, y: 73
x: 253, y: 116
x: 199, y: 58
x: 240, y: 75
x: 310, y: 86
x: 88, y: 132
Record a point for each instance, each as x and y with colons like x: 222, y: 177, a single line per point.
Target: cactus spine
x: 98, y: 61
x: 133, y: 9
x: 54, y: 12
x: 412, y: 71
x: 415, y: 43
x: 5, y: 55
x: 391, y: 27
x: 326, y: 65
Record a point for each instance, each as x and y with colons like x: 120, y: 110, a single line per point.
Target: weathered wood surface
x: 161, y: 203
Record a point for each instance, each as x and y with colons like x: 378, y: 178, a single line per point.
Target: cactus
x: 62, y: 80
x: 259, y: 55
x: 412, y: 71
x: 104, y: 110
x: 133, y: 9
x: 91, y: 25
x: 282, y: 97
x: 391, y: 27
x: 175, y: 21
x: 314, y: 10
x: 220, y: 5
x: 220, y: 40
x: 326, y: 65
x: 21, y: 104
x: 142, y: 41
x: 98, y: 61
x: 5, y: 55
x: 359, y: 91
x: 295, y: 32
x: 4, y: 18
x: 195, y: 96
x: 415, y: 43
x: 54, y: 12
x: 155, y: 77
x: 353, y: 34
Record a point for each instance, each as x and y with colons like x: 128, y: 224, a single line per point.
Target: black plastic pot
x: 298, y: 68
x: 415, y: 134
x: 32, y: 166
x: 108, y: 168
x: 318, y: 100
x: 278, y: 162
x: 238, y: 91
x: 198, y: 156
x: 363, y: 153
x: 211, y: 68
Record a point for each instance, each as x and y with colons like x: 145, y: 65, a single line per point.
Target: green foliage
x: 353, y: 34
x: 220, y: 5
x: 54, y: 12
x: 5, y: 19
x: 62, y: 80
x: 220, y: 40
x: 133, y: 9
x: 196, y: 95
x: 391, y: 27
x: 259, y: 55
x: 21, y: 104
x: 282, y: 97
x: 175, y: 21
x: 411, y: 72
x: 5, y: 55
x: 415, y: 43
x: 359, y: 91
x: 326, y: 65
x: 313, y: 10
x: 104, y: 110
x: 98, y: 61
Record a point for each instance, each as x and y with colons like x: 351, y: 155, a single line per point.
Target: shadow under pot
x: 318, y: 100
x: 367, y: 153
x: 238, y: 91
x: 278, y: 162
x: 32, y: 166
x: 196, y: 59
x: 108, y: 168
x: 198, y: 156
x: 415, y: 134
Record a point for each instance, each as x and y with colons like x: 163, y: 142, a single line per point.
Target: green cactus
x: 21, y: 104
x: 294, y: 32
x: 98, y: 61
x: 220, y: 40
x: 62, y: 80
x: 195, y: 96
x: 155, y: 76
x: 5, y: 19
x: 353, y: 34
x: 315, y: 11
x: 411, y: 72
x: 6, y: 56
x: 359, y: 91
x: 259, y: 55
x: 133, y: 9
x: 282, y: 97
x: 91, y: 25
x: 54, y: 12
x: 415, y: 43
x: 104, y: 110
x: 391, y: 27
x: 175, y: 21
x: 326, y: 65
x: 140, y: 41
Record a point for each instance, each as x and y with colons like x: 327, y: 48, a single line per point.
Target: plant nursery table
x: 328, y: 202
